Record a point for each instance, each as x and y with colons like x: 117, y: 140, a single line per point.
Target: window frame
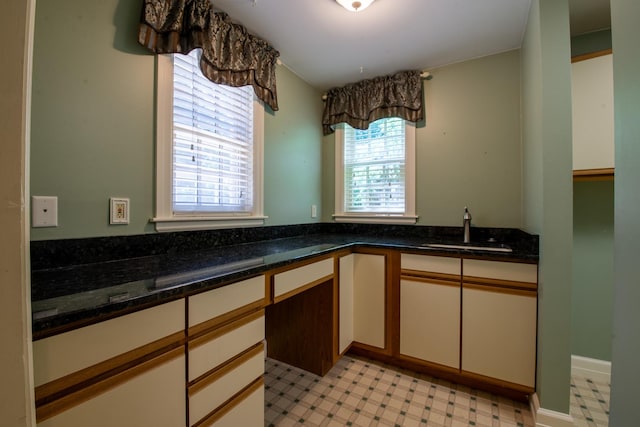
x: 409, y: 216
x: 165, y: 219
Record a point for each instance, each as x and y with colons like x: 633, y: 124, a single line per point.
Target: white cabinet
x: 430, y: 309
x: 127, y: 371
x: 592, y: 113
x: 226, y: 330
x: 369, y: 286
x: 152, y: 398
x: 499, y: 305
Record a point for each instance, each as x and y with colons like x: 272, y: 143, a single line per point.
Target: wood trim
x: 227, y: 317
x: 492, y: 385
x: 430, y: 275
x: 84, y: 378
x: 209, y: 335
x: 501, y: 290
x: 499, y: 283
x: 432, y: 281
x: 603, y: 174
x: 336, y: 310
x: 298, y: 264
x: 215, y: 415
x: 216, y: 373
x: 499, y: 383
x: 76, y: 397
x: 393, y: 305
x: 302, y: 288
x: 591, y: 55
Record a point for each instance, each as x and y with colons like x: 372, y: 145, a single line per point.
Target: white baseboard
x: 598, y: 370
x: 546, y: 417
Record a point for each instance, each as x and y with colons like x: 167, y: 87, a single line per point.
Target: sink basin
x: 470, y: 247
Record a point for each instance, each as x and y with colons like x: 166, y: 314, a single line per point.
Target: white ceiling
x: 328, y: 46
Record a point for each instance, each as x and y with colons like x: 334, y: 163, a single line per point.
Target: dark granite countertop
x: 73, y: 294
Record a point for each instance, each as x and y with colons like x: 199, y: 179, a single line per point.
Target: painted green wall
x: 93, y: 124
x: 468, y: 153
x: 592, y: 294
x: 626, y: 331
x: 590, y: 42
x: 546, y: 98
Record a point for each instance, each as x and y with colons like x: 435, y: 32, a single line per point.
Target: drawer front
x: 211, y: 304
x: 222, y: 387
x: 249, y: 412
x: 501, y: 270
x: 63, y: 354
x: 301, y: 276
x: 155, y: 398
x: 219, y: 349
x: 435, y: 264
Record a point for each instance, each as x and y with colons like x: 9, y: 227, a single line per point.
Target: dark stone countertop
x: 68, y: 296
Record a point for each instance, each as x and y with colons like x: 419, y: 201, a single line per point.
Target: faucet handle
x: 467, y: 214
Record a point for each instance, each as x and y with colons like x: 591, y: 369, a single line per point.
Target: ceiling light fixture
x: 355, y: 6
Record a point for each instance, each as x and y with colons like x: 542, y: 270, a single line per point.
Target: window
x: 209, y: 150
x: 375, y: 173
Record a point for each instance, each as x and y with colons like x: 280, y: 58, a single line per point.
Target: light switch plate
x: 44, y: 211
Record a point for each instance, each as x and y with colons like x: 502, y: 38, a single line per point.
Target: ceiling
x: 328, y: 46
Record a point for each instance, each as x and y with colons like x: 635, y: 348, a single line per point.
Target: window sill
x: 376, y: 219
x: 206, y: 223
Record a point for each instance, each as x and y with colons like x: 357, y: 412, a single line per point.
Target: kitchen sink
x: 471, y: 247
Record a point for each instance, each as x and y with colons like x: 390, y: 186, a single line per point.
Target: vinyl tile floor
x: 360, y: 392
x: 589, y: 401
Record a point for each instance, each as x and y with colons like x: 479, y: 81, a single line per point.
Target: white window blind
x: 212, y: 142
x: 374, y: 167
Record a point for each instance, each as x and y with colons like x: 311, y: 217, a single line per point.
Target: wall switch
x: 44, y: 211
x: 314, y: 211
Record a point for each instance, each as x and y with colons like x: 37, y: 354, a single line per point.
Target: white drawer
x: 301, y: 276
x: 434, y: 264
x: 223, y: 345
x: 501, y: 270
x: 214, y: 303
x: 220, y: 387
x: 63, y: 354
x: 249, y: 412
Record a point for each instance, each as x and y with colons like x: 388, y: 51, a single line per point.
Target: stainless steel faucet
x: 466, y: 224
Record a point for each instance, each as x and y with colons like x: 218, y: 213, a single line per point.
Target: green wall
x: 468, y: 153
x: 546, y: 98
x: 93, y: 124
x: 592, y: 294
x: 590, y: 42
x: 625, y: 375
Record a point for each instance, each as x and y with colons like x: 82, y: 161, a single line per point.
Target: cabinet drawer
x: 154, y: 398
x: 215, y: 303
x: 501, y: 270
x: 435, y: 264
x: 291, y: 280
x: 213, y: 349
x: 246, y: 410
x: 63, y: 354
x: 220, y: 386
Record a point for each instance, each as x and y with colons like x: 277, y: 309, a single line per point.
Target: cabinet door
x: 430, y: 321
x: 499, y: 333
x: 153, y: 398
x: 345, y: 302
x: 369, y: 299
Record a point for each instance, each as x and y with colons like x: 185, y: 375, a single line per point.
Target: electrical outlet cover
x: 44, y: 211
x: 119, y: 210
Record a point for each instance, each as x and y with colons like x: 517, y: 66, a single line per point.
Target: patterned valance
x: 230, y: 55
x: 359, y: 104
